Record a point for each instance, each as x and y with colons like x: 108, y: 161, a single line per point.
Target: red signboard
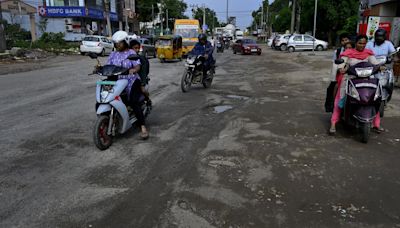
x: 387, y: 26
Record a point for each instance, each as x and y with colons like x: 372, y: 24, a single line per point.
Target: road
x: 251, y: 151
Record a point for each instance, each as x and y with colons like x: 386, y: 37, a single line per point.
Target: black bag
x: 144, y: 70
x: 330, y: 98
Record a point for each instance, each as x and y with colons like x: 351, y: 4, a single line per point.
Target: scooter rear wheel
x: 100, y: 137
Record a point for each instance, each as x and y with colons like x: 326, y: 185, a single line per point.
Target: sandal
x: 378, y: 129
x: 144, y: 135
x: 332, y: 131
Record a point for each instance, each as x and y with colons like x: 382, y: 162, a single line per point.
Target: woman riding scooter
x: 352, y: 57
x: 120, y: 58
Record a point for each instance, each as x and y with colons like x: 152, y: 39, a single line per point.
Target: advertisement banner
x: 386, y: 26
x: 373, y: 25
x: 396, y: 31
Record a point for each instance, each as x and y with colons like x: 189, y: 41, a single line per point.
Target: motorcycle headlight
x: 364, y: 72
x: 103, y: 96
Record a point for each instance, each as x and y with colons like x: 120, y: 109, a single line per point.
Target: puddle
x: 222, y: 108
x: 237, y: 97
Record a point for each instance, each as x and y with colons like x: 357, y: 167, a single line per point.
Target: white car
x: 305, y: 42
x: 96, y: 44
x: 280, y: 42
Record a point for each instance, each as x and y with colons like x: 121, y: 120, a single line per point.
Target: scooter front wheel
x: 365, y: 130
x: 100, y: 137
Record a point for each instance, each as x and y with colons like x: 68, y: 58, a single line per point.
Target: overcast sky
x: 240, y: 8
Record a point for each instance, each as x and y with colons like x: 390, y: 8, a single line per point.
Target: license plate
x: 254, y: 50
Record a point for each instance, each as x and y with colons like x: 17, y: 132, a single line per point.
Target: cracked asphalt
x: 251, y: 151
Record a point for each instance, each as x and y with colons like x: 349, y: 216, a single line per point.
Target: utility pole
x: 293, y: 16
x: 2, y: 33
x: 262, y: 17
x: 107, y: 8
x: 315, y: 24
x: 204, y: 17
x: 227, y: 11
x: 152, y: 22
x: 167, y: 21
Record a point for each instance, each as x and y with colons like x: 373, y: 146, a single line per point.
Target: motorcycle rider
x: 143, y: 71
x: 120, y: 58
x: 379, y: 45
x: 352, y: 57
x: 204, y: 48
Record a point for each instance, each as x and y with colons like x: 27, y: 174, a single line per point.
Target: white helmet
x: 120, y: 36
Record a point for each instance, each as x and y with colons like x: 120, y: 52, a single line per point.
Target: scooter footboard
x: 365, y: 114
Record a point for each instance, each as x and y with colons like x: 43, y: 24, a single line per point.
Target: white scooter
x: 113, y: 116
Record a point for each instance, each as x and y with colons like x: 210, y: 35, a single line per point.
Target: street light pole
x: 204, y: 17
x: 167, y: 21
x: 315, y: 24
x: 2, y: 33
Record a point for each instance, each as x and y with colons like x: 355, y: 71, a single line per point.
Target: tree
x: 211, y: 17
x: 176, y: 9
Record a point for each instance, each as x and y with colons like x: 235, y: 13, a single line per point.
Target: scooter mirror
x: 93, y: 55
x: 134, y: 57
x: 339, y: 61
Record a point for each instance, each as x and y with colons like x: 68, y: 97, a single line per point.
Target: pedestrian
x: 331, y: 90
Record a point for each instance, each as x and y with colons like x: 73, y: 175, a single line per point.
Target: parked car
x: 147, y: 48
x: 246, y: 46
x: 280, y: 42
x: 96, y: 44
x: 306, y: 42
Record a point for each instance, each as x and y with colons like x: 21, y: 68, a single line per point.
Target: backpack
x: 144, y: 70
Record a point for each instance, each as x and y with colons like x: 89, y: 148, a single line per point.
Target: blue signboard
x: 62, y: 11
x: 95, y: 13
x: 113, y: 16
x: 75, y: 11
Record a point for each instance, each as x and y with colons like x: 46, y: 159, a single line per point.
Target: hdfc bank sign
x: 55, y: 11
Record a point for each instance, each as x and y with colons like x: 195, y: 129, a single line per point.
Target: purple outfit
x: 120, y: 59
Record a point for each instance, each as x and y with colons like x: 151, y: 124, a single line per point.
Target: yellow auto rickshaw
x: 169, y: 48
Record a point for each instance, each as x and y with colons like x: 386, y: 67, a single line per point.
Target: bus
x: 189, y: 30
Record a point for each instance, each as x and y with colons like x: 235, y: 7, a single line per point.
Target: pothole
x: 222, y: 108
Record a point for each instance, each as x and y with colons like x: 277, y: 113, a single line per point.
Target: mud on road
x: 251, y: 151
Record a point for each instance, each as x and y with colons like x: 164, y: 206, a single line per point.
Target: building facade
x: 384, y: 14
x: 78, y: 18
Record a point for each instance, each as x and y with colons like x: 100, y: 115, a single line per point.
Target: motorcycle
x: 220, y: 47
x: 113, y: 115
x: 363, y: 97
x: 386, y: 79
x: 194, y: 73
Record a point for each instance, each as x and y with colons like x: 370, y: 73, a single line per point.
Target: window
x: 298, y: 38
x: 249, y: 41
x: 308, y: 38
x: 104, y: 40
x: 286, y: 37
x: 91, y: 38
x: 146, y: 42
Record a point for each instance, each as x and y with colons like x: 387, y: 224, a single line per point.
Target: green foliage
x: 334, y: 17
x: 14, y: 33
x: 176, y: 9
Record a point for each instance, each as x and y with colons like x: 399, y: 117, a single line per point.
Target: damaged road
x: 251, y: 151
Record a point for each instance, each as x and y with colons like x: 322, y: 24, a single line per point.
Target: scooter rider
x: 204, y: 47
x: 120, y: 58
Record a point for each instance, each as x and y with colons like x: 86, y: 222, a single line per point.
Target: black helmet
x: 380, y: 32
x: 203, y: 37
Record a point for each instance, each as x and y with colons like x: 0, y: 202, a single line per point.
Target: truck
x: 229, y: 31
x: 239, y: 34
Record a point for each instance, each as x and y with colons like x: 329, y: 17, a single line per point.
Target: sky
x: 242, y: 9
